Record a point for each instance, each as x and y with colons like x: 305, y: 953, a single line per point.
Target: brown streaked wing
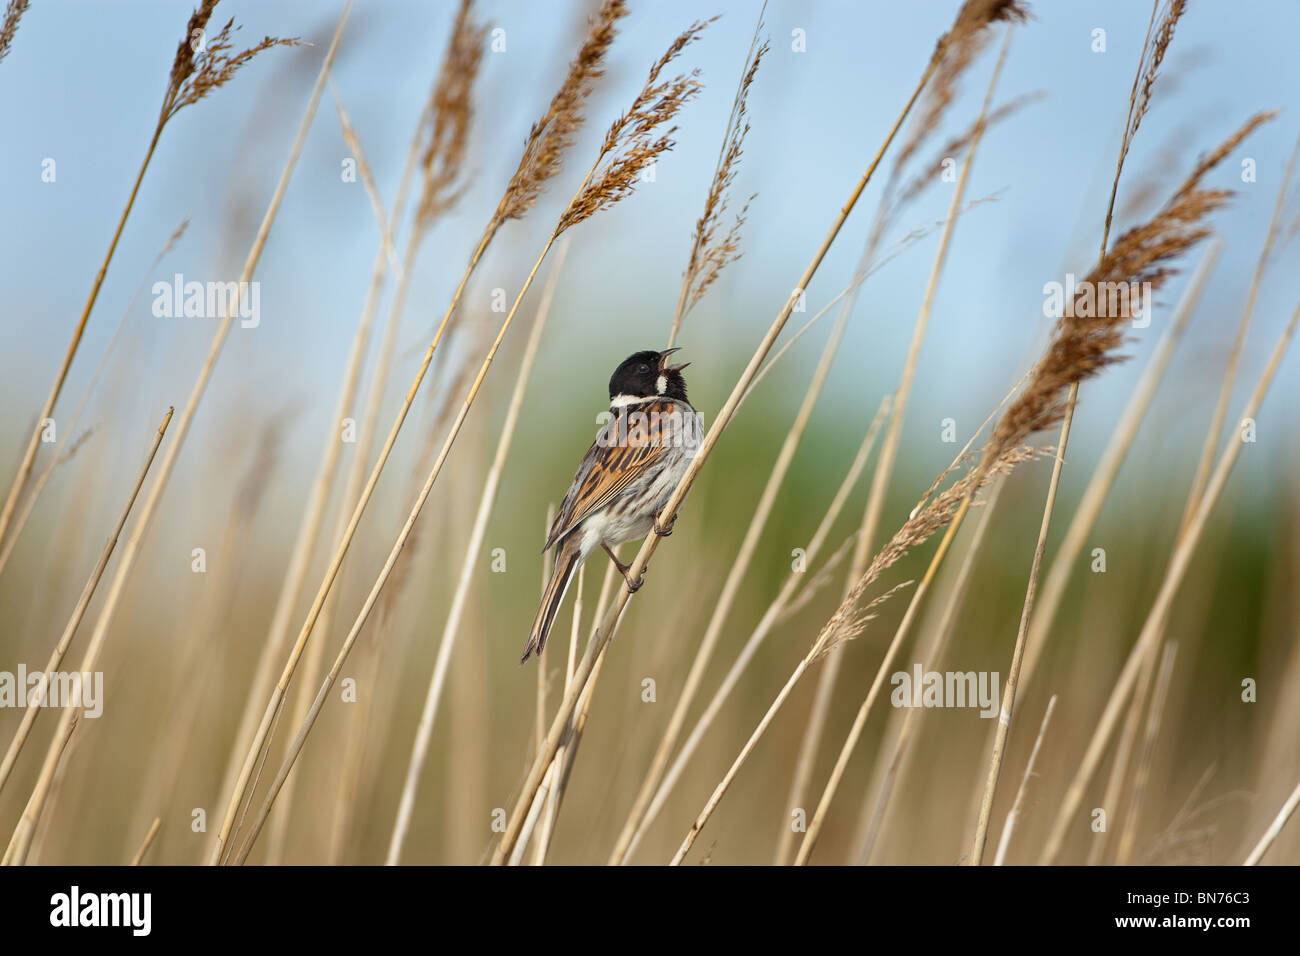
x: 609, y: 467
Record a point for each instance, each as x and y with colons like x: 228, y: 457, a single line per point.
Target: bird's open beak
x: 663, y: 361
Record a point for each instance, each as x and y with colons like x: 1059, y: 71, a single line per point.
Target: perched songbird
x: 625, y: 478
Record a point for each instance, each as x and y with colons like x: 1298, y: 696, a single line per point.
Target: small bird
x: 626, y: 477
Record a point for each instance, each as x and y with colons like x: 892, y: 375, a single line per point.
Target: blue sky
x: 83, y: 82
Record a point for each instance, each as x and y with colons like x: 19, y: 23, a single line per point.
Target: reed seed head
x: 551, y: 135
x: 204, y: 64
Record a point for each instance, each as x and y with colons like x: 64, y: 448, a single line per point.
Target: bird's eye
x: 643, y: 368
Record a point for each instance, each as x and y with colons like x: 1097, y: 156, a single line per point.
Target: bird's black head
x: 646, y: 375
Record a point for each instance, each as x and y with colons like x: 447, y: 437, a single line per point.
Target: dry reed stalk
x: 780, y: 607
x: 564, y: 758
x: 451, y: 630
x: 1185, y: 204
x: 1103, y: 476
x: 1184, y: 549
x: 1154, y: 48
x: 20, y: 842
x: 331, y: 448
x: 846, y: 630
x: 1080, y: 348
x: 548, y: 562
x: 204, y: 648
x: 895, y: 250
x: 1128, y: 736
x: 941, y: 637
x: 356, y: 477
x: 354, y: 748
x: 204, y: 84
x: 134, y: 542
x: 1115, y: 783
x: 735, y: 577
x: 449, y: 112
x: 194, y: 74
x: 966, y: 26
x: 1142, y: 773
x: 535, y: 813
x: 943, y: 631
x: 820, y: 709
x: 69, y: 427
x: 79, y: 611
x: 858, y: 623
x: 1234, y: 356
x: 551, y: 793
x: 711, y: 253
x: 631, y: 143
x: 55, y: 460
x: 56, y: 793
x: 1274, y: 828
x: 147, y: 842
x: 540, y: 162
x: 1017, y: 808
x: 387, y: 229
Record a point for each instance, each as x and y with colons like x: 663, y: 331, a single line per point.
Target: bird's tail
x: 567, y: 559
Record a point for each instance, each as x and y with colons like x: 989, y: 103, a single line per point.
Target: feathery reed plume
x: 541, y: 160
x: 600, y: 639
x: 1153, y: 55
x: 1138, y: 103
x: 1080, y: 348
x: 445, y: 112
x: 1083, y: 345
x: 1183, y: 551
x: 452, y: 105
x: 954, y: 52
x: 13, y: 13
x: 711, y: 253
x: 637, y: 138
x: 196, y: 71
x: 633, y: 140
x: 873, y: 510
x: 1103, y: 477
x: 738, y: 569
x: 843, y: 628
x: 552, y: 135
x: 204, y: 64
x: 451, y: 629
x: 1202, y: 473
x: 134, y: 542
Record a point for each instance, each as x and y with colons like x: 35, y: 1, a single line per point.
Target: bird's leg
x: 624, y: 569
x: 664, y: 532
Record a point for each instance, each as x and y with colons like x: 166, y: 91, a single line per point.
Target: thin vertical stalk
x: 21, y: 841
x: 1184, y: 549
x: 1017, y: 808
x: 879, y: 484
x: 651, y: 544
x: 437, y: 680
